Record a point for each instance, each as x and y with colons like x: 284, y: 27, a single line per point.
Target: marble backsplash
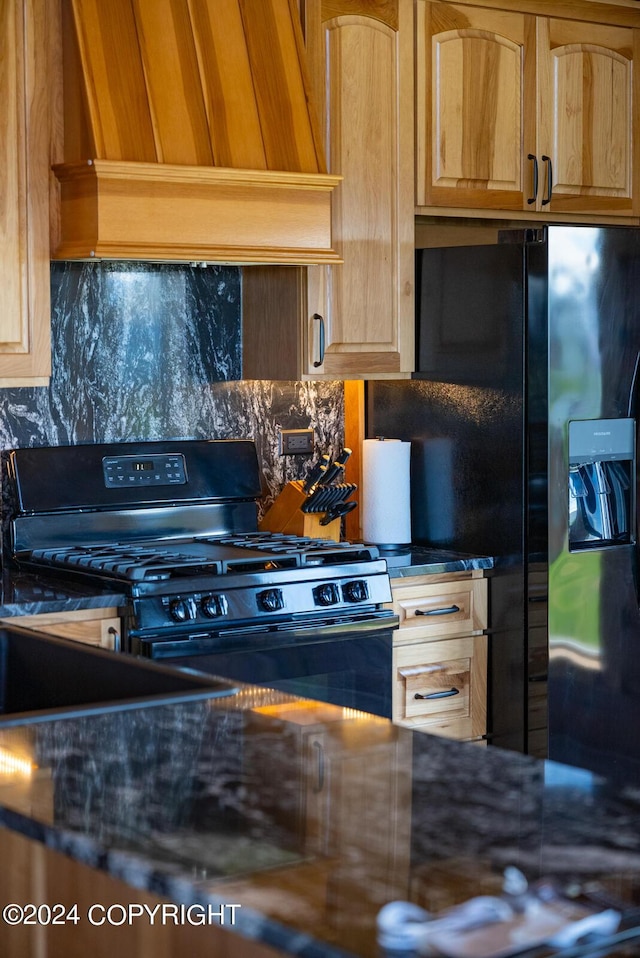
x: 149, y: 351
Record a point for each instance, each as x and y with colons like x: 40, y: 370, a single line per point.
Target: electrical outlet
x: 296, y: 442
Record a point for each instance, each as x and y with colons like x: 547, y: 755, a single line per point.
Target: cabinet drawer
x: 442, y: 686
x: 456, y: 607
x: 437, y: 691
x: 99, y: 627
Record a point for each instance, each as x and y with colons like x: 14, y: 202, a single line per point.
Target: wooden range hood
x: 189, y: 135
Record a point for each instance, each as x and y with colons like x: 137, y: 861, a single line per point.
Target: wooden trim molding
x: 130, y: 210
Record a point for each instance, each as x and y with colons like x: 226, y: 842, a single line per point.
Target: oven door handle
x: 255, y: 639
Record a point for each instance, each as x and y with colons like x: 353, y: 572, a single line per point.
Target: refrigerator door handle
x: 632, y: 413
x: 633, y: 391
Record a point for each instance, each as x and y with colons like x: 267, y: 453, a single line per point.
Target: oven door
x: 347, y: 662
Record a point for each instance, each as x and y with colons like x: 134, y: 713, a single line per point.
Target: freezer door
x: 594, y: 624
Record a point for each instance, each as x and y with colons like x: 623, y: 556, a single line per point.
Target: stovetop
x: 154, y: 561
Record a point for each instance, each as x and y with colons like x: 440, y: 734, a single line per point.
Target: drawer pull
x: 448, y: 611
x: 319, y: 783
x: 437, y: 695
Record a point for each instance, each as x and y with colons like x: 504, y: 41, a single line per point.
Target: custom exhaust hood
x: 189, y: 135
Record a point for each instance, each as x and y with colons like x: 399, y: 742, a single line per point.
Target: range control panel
x: 156, y: 470
x: 223, y: 600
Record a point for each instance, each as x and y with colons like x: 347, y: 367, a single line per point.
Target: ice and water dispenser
x: 602, y: 468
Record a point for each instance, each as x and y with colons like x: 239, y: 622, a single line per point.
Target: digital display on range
x: 162, y: 470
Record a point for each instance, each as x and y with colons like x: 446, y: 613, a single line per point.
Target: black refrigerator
x: 522, y: 424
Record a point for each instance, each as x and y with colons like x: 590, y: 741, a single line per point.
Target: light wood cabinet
x: 440, y: 654
x: 528, y: 113
x: 98, y: 627
x: 25, y: 125
x: 353, y: 320
x: 41, y: 876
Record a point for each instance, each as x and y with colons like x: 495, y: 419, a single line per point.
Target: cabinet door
x: 588, y: 109
x: 475, y: 88
x: 24, y: 193
x: 361, y: 57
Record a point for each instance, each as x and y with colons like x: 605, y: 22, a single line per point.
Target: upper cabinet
x: 356, y: 319
x: 25, y: 355
x: 362, y: 65
x: 520, y: 112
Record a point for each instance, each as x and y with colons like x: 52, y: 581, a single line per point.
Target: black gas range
x: 174, y: 525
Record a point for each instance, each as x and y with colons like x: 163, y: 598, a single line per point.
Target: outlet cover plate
x: 296, y: 442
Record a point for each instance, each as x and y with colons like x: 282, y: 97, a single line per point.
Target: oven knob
x: 326, y: 594
x: 271, y: 600
x: 355, y: 591
x: 213, y: 605
x: 181, y: 610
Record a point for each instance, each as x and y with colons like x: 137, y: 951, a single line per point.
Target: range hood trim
x: 192, y: 213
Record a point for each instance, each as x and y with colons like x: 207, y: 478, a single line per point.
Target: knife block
x: 285, y: 515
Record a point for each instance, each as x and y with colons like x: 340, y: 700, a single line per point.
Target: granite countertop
x: 424, y: 560
x: 27, y: 593
x: 310, y: 818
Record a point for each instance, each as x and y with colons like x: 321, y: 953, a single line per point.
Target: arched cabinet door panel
x: 588, y: 111
x: 471, y: 92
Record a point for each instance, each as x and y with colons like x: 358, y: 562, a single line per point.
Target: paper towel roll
x: 386, y: 493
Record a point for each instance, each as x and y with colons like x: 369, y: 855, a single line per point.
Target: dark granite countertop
x: 311, y: 818
x: 423, y: 560
x: 26, y: 593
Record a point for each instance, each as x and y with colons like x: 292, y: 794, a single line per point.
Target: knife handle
x: 316, y: 474
x: 330, y: 474
x: 337, y: 512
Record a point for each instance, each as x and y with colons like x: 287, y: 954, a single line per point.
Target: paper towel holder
x: 390, y: 548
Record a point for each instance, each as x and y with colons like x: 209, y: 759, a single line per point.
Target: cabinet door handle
x: 448, y: 611
x: 317, y: 317
x: 547, y: 199
x: 319, y: 783
x: 533, y: 157
x: 437, y: 695
x: 116, y: 638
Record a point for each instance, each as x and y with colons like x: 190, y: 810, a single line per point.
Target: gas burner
x: 148, y: 563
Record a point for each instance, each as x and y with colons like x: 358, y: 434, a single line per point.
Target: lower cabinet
x: 342, y: 780
x: 99, y: 627
x: 38, y: 875
x: 440, y: 654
